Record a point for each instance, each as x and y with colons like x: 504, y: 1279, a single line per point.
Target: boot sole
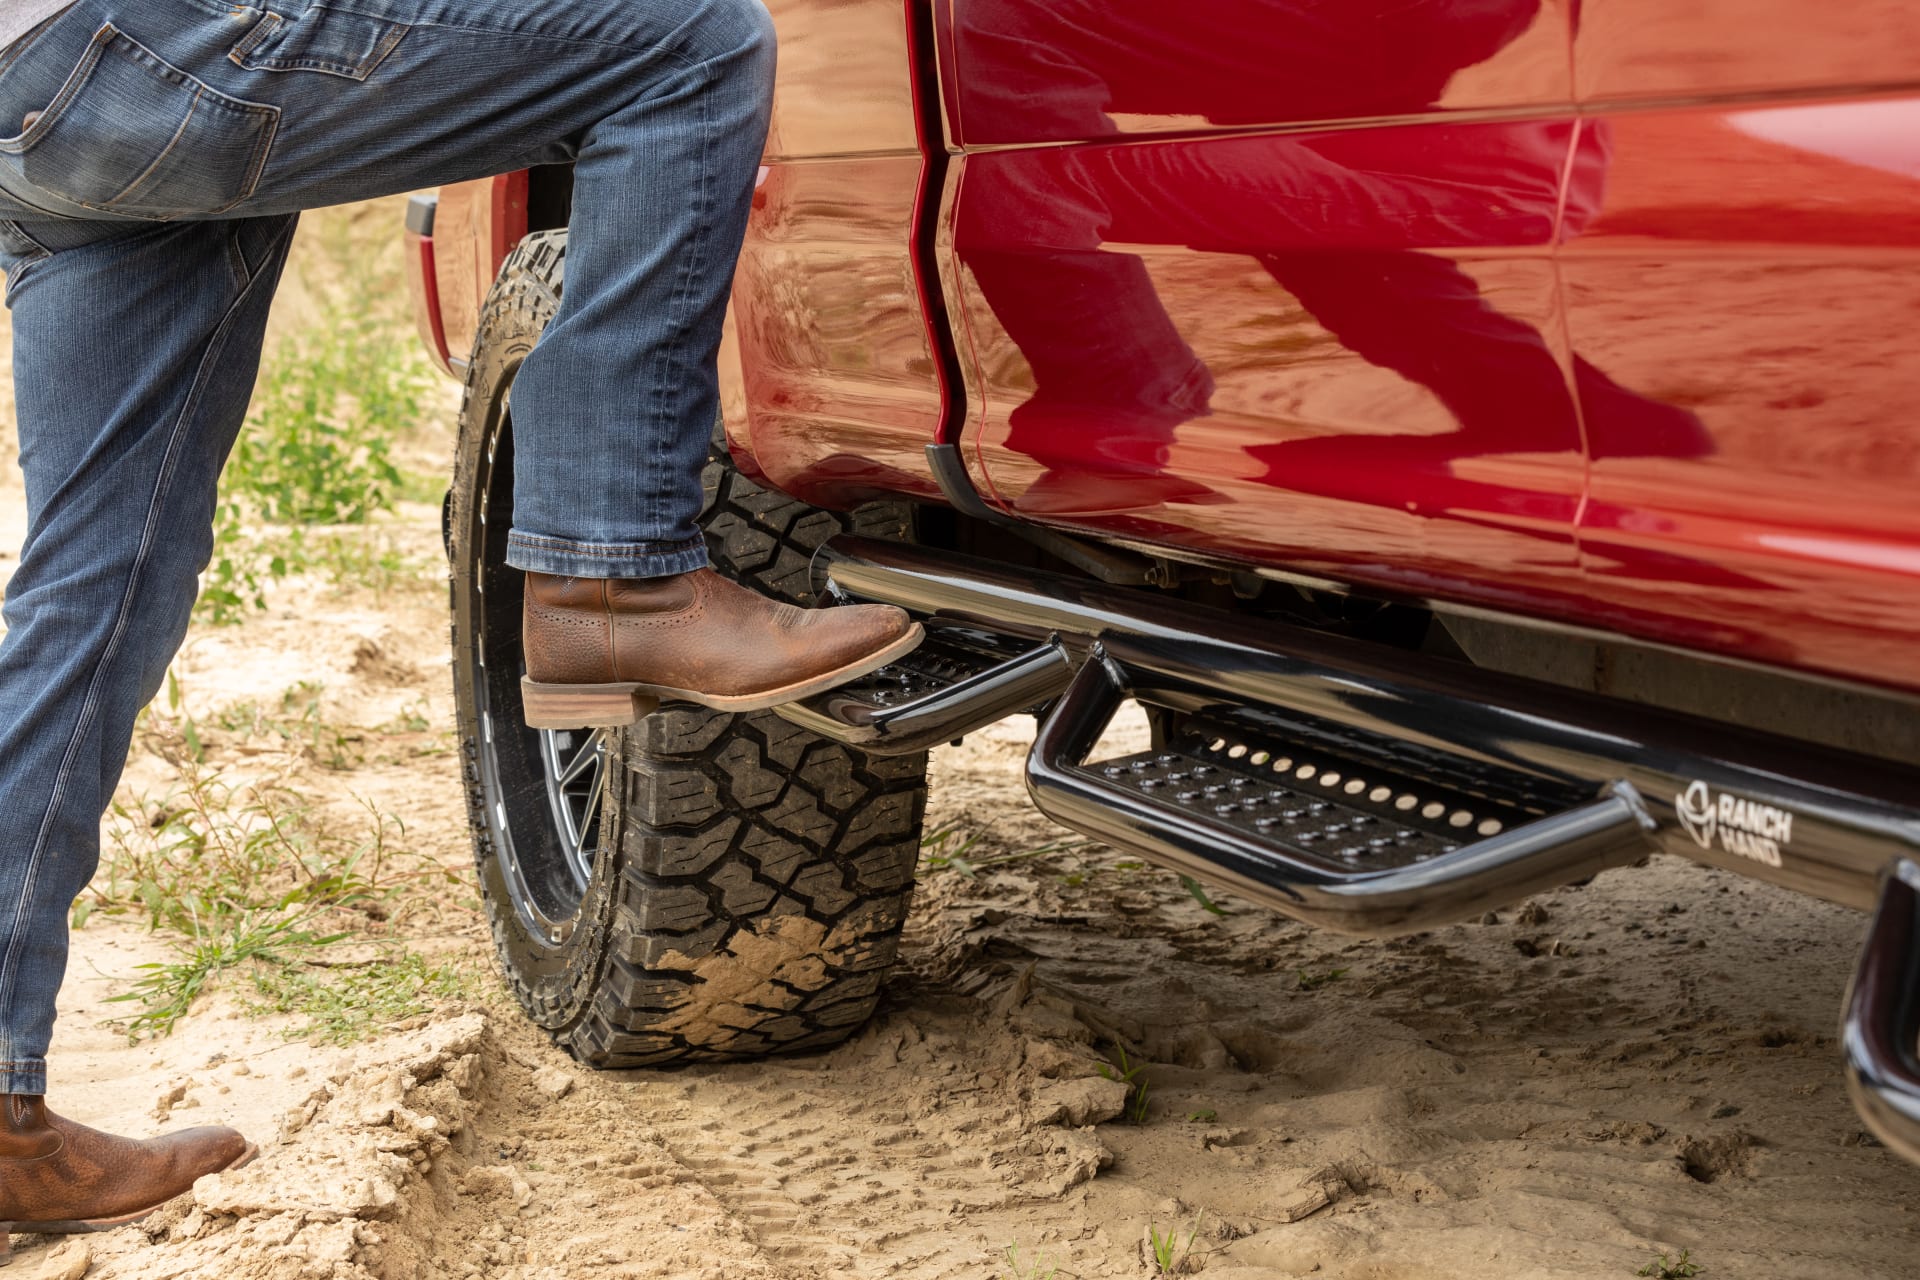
x: 613, y: 706
x: 79, y: 1226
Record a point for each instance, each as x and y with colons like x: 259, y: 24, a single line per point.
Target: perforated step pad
x: 947, y: 656
x: 1349, y: 819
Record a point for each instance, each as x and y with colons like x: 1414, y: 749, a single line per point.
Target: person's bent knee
x: 739, y: 32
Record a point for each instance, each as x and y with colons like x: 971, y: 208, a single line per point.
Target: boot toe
x: 860, y: 629
x: 209, y: 1149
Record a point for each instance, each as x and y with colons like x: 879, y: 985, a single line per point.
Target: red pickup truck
x: 1479, y: 433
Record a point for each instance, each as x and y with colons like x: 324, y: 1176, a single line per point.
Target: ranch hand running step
x: 1352, y: 831
x: 1881, y: 1028
x: 958, y: 680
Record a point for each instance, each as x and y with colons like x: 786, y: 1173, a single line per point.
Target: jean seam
x: 654, y: 547
x: 10, y: 965
x: 678, y: 58
x: 262, y: 31
x: 174, y: 141
x: 682, y: 289
x: 27, y: 260
x: 241, y: 55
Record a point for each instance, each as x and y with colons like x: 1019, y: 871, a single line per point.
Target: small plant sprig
x: 1170, y: 1252
x: 1129, y: 1074
x: 1314, y: 981
x: 341, y: 1007
x: 937, y: 856
x: 1039, y: 1267
x: 1199, y: 894
x: 1681, y: 1268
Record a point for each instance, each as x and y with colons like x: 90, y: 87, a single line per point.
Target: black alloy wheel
x: 699, y: 885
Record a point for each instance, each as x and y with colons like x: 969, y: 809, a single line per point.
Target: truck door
x: 1272, y: 279
x: 1752, y: 268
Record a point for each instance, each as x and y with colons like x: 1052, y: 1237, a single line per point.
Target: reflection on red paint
x: 1393, y: 291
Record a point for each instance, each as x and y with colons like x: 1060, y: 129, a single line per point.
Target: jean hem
x: 603, y: 559
x: 26, y: 1076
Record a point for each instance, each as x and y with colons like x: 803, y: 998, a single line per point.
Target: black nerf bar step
x: 1334, y: 837
x: 1881, y: 1026
x: 1811, y: 819
x: 958, y: 680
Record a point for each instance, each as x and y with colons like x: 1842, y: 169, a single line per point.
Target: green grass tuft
x: 344, y: 1005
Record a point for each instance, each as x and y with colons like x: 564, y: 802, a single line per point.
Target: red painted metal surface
x: 831, y: 351
x: 1395, y: 305
x: 423, y: 289
x: 1768, y: 287
x: 1334, y: 348
x: 475, y: 227
x: 1592, y: 310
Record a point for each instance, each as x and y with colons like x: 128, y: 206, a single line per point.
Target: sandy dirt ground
x: 1564, y: 1089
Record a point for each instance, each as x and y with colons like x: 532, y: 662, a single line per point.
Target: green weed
x: 168, y: 990
x: 246, y: 872
x: 1314, y: 981
x: 946, y: 848
x: 1681, y: 1268
x: 1129, y: 1074
x: 1170, y: 1252
x: 209, y: 853
x: 1040, y: 1267
x: 345, y: 1005
x: 1193, y: 887
x: 298, y: 722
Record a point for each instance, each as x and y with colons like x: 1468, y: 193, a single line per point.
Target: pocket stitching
x: 158, y: 160
x: 243, y: 54
x: 63, y: 99
x: 268, y: 27
x: 204, y: 94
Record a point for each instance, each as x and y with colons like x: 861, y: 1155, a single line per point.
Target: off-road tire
x: 750, y: 880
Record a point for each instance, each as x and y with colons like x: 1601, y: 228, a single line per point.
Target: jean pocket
x: 335, y: 41
x: 130, y: 133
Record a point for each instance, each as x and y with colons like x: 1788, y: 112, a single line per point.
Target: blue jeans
x: 145, y: 214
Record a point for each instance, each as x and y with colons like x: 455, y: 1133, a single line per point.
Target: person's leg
x: 197, y: 109
x: 135, y: 351
x: 166, y: 143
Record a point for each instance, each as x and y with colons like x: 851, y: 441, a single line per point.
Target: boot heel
x: 583, y: 706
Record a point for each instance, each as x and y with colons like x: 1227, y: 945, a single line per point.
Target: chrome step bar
x: 1354, y: 883
x: 1568, y: 782
x: 957, y: 681
x: 1814, y: 820
x: 1880, y: 1031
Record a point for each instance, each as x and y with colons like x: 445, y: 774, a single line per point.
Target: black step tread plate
x: 1415, y: 762
x: 1349, y: 818
x: 947, y: 656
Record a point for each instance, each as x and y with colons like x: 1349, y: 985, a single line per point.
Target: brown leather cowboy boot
x: 606, y: 651
x: 59, y: 1177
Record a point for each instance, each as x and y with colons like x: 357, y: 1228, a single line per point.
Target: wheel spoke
x: 586, y: 758
x: 574, y: 778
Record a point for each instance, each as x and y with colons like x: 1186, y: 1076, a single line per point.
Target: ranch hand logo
x: 1743, y: 827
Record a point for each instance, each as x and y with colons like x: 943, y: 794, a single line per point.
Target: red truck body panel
x: 1601, y: 312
